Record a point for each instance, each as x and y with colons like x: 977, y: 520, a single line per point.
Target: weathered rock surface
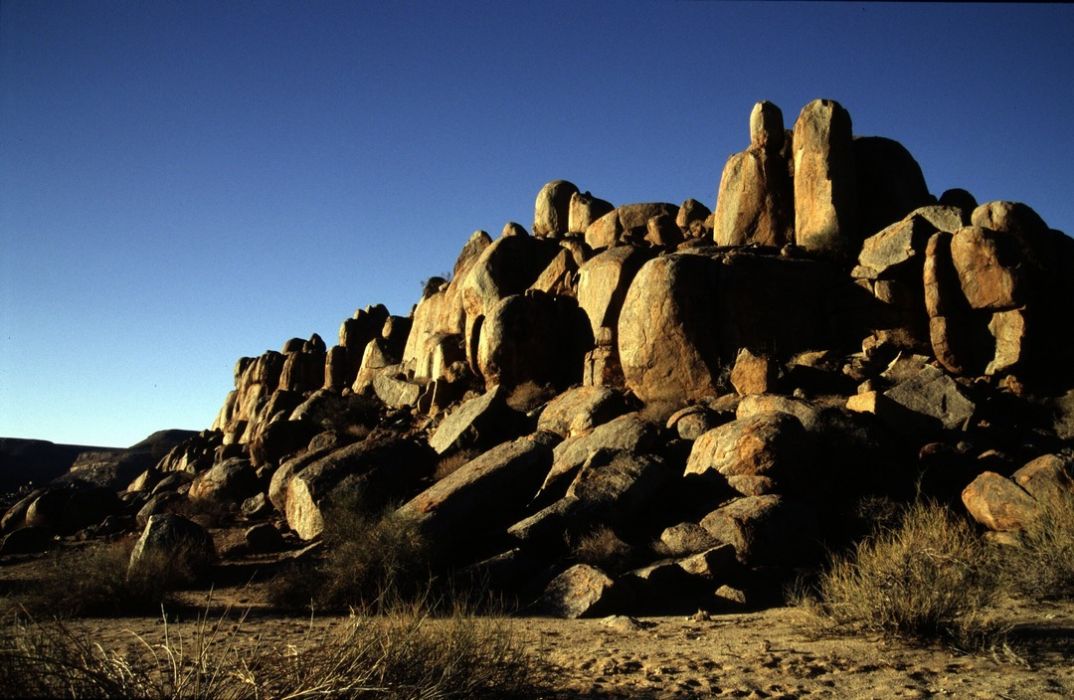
x: 174, y: 538
x: 756, y: 455
x: 486, y: 415
x: 629, y: 222
x: 626, y: 433
x: 371, y: 473
x: 825, y: 183
x: 551, y: 214
x: 934, y: 396
x: 603, y: 282
x: 999, y: 503
x: 755, y: 199
x: 579, y: 410
x: 765, y: 529
x: 584, y: 210
x: 229, y: 482
x: 486, y: 493
x: 580, y: 591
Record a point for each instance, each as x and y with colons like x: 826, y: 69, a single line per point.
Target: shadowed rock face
x: 731, y: 384
x: 686, y: 315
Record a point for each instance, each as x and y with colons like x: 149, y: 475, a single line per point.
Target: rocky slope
x: 650, y: 405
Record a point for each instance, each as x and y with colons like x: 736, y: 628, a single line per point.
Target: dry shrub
x: 925, y: 578
x: 602, y: 547
x: 1042, y: 565
x: 404, y: 654
x: 369, y: 557
x: 529, y: 395
x: 451, y: 463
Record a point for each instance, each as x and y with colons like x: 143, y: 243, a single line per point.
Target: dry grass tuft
x: 403, y: 654
x: 927, y: 578
x: 602, y: 547
x: 452, y: 462
x: 96, y: 581
x: 529, y: 395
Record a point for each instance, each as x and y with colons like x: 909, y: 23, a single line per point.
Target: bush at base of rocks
x: 924, y: 579
x: 370, y: 558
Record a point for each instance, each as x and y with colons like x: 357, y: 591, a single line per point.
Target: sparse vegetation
x: 369, y: 557
x: 530, y: 395
x: 402, y: 654
x: 924, y: 579
x: 602, y: 547
x: 449, y: 464
x: 96, y: 581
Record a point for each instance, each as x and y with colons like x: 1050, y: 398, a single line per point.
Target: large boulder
x: 755, y: 199
x: 485, y: 418
x: 627, y: 433
x: 229, y: 482
x: 579, y: 410
x: 175, y: 539
x: 889, y: 183
x: 999, y: 503
x: 935, y: 398
x: 372, y: 473
x: 615, y: 486
x: 686, y: 315
x: 765, y: 530
x: 603, y: 282
x: 560, y: 277
x: 581, y: 591
x: 440, y: 312
x: 1046, y: 478
x: 281, y: 438
x: 960, y: 340
x: 667, y: 343
x: 825, y: 185
x: 281, y: 476
x: 987, y: 264
x: 533, y: 337
x: 551, y: 212
x: 67, y: 509
x: 486, y: 493
x: 754, y: 202
x: 505, y: 268
x: 584, y: 210
x: 757, y: 455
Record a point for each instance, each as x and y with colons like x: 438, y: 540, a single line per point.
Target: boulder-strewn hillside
x: 711, y: 393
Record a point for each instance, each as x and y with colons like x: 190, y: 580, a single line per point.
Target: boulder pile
x: 650, y: 406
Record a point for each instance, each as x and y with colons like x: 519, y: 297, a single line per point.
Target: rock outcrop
x: 645, y: 407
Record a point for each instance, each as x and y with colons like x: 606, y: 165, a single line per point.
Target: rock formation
x: 728, y: 383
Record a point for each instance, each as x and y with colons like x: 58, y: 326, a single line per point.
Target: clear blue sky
x: 185, y: 183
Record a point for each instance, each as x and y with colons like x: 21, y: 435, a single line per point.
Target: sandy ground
x: 777, y: 653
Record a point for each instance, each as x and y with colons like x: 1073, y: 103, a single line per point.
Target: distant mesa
x: 725, y: 377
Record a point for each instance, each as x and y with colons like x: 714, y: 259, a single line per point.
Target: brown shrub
x: 603, y: 548
x: 926, y: 578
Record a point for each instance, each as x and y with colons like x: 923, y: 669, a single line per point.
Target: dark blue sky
x: 185, y: 183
